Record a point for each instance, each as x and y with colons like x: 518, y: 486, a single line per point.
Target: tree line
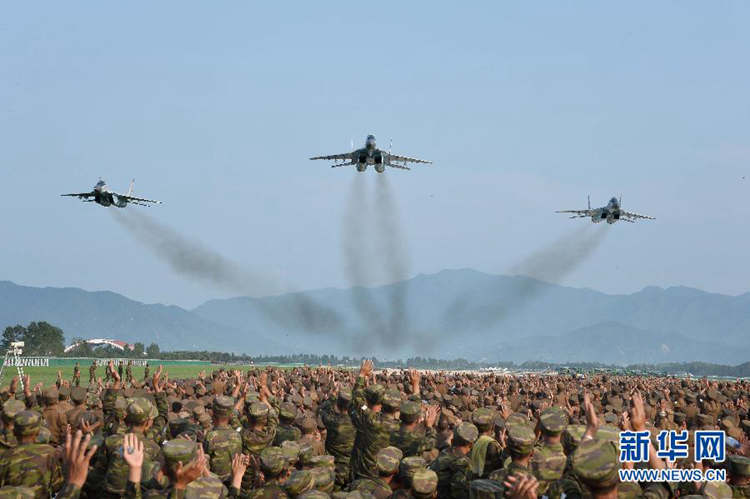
x: 44, y: 339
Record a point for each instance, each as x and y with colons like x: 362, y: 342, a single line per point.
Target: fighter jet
x: 611, y: 213
x: 105, y: 197
x: 371, y: 155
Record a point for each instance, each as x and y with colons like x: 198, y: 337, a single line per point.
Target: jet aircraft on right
x: 611, y: 213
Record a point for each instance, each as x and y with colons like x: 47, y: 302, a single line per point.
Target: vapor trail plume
x: 551, y: 263
x: 555, y: 261
x: 193, y: 260
x: 355, y: 249
x: 394, y: 255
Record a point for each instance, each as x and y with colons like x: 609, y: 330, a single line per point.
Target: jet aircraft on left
x: 105, y: 197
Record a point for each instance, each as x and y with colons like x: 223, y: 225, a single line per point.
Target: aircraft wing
x: 80, y: 195
x: 347, y: 155
x: 635, y: 216
x: 137, y: 200
x: 405, y: 159
x: 578, y: 213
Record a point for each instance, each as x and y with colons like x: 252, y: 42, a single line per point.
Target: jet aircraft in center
x: 371, y: 155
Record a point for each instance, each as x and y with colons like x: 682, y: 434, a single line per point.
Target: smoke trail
x: 356, y: 255
x: 193, y: 260
x: 395, y: 256
x: 555, y: 261
x: 551, y: 263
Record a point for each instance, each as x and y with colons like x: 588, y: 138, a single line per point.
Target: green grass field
x: 48, y: 375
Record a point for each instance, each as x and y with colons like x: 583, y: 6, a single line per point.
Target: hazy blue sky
x: 525, y: 109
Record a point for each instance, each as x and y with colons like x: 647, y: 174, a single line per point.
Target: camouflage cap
x: 308, y: 425
x: 408, y: 467
x: 410, y: 411
x: 345, y: 395
x: 139, y: 410
x: 44, y: 435
x: 306, y: 453
x: 273, y: 460
x: 51, y: 394
x: 679, y: 417
x: 483, y: 418
x: 387, y: 460
x: 78, y: 394
x: 323, y: 478
x: 610, y: 433
x: 516, y: 418
x: 179, y: 451
x: 11, y: 408
x: 120, y: 406
x: 26, y: 423
x: 716, y: 490
x: 521, y: 439
x: 299, y: 482
x: 374, y: 394
x: 465, y: 433
x: 595, y: 463
x: 553, y: 420
x: 705, y: 420
x: 287, y: 412
x: 424, y: 483
x: 291, y: 449
x: 9, y: 492
x: 572, y: 436
x: 392, y: 399
x: 739, y: 466
x: 257, y: 410
x: 324, y: 461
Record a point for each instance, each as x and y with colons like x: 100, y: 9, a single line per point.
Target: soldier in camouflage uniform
x: 521, y: 440
x: 146, y: 371
x: 129, y: 372
x: 73, y: 416
x: 273, y: 465
x: 140, y: 415
x: 340, y: 434
x: 298, y: 483
x: 30, y: 464
x: 223, y: 441
x: 413, y: 438
x: 486, y: 453
x: 595, y: 463
x: 287, y: 430
x: 548, y: 461
x: 387, y: 464
x: 10, y: 409
x: 424, y: 485
x: 259, y: 431
x: 92, y: 373
x: 188, y: 471
x: 54, y: 414
x: 77, y: 374
x: 452, y: 466
x: 373, y: 426
x: 739, y: 476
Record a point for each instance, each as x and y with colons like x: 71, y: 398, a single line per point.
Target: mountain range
x: 450, y: 314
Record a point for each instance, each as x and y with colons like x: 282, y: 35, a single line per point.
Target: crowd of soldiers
x: 323, y: 432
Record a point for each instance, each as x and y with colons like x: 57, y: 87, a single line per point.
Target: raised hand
x: 133, y: 455
x: 76, y: 458
x: 240, y: 462
x: 193, y: 470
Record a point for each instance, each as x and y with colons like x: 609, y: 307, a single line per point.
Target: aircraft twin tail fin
x: 130, y: 189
